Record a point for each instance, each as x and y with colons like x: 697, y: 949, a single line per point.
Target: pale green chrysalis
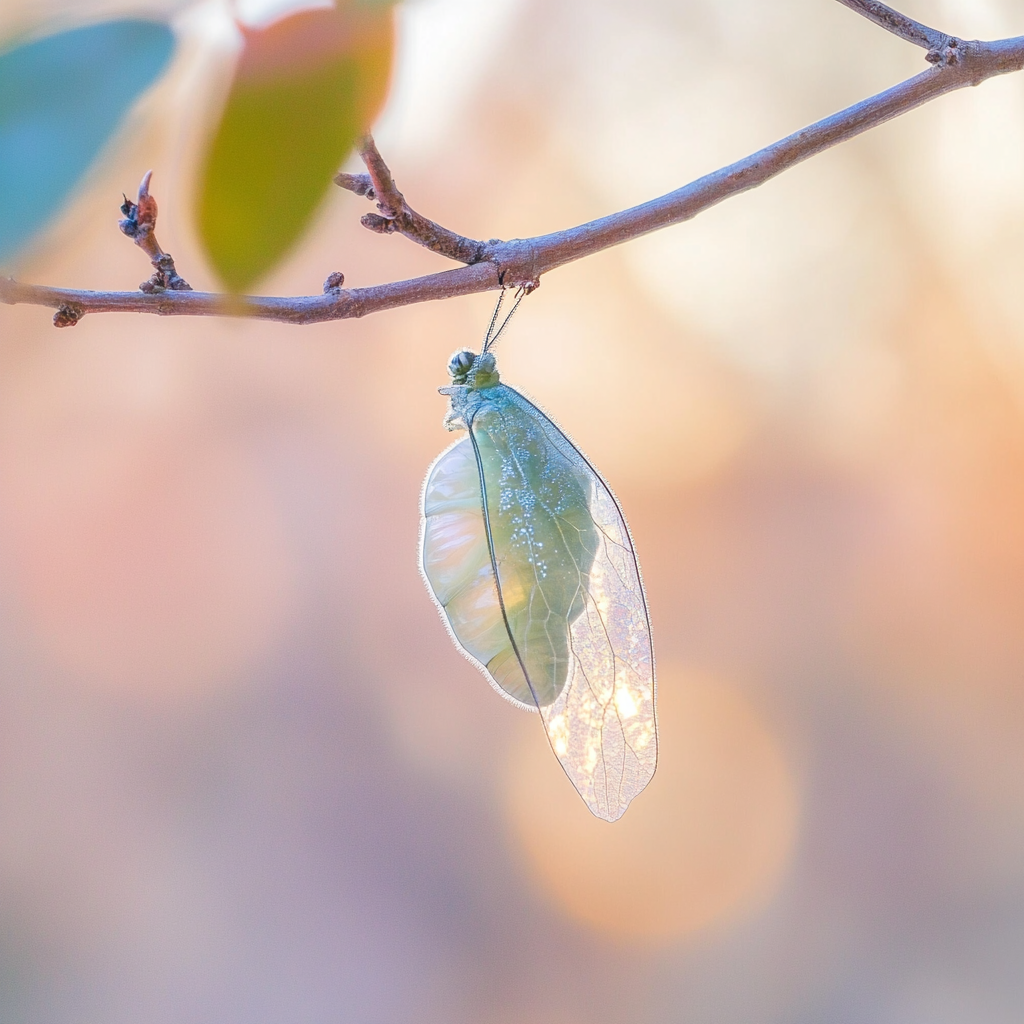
x: 530, y: 562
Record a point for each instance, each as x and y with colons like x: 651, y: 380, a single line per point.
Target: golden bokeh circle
x: 706, y: 842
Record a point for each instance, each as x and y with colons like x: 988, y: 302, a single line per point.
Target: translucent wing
x: 528, y: 555
x: 602, y: 726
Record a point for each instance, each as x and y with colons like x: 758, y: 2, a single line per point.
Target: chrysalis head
x: 474, y: 371
x: 460, y: 364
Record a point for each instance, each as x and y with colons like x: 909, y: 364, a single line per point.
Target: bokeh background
x: 244, y: 775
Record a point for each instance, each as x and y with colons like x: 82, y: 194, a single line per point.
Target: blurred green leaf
x: 304, y: 90
x: 61, y: 98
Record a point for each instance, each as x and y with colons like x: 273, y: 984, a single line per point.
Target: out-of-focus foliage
x: 305, y: 88
x: 61, y: 97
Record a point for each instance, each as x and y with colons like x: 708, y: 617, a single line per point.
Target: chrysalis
x: 530, y: 562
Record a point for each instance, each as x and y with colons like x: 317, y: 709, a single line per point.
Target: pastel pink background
x: 244, y: 775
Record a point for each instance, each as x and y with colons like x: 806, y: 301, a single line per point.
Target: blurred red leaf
x: 305, y: 89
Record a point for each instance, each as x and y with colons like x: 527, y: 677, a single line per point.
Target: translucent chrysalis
x: 530, y: 562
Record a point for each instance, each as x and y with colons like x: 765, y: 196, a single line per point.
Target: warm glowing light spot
x: 624, y: 703
x: 705, y: 843
x: 558, y: 731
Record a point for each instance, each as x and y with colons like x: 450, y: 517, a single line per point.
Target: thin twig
x: 139, y: 224
x: 361, y: 184
x: 899, y: 24
x: 521, y: 262
x: 397, y: 215
x: 389, y: 200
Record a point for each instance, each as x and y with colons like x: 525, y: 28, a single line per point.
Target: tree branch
x: 334, y: 304
x: 521, y: 262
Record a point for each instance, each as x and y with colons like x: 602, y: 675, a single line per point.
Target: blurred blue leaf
x: 61, y: 98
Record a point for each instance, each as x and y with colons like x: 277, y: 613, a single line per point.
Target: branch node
x: 165, y: 277
x: 517, y: 266
x: 950, y: 52
x: 67, y: 315
x: 334, y: 282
